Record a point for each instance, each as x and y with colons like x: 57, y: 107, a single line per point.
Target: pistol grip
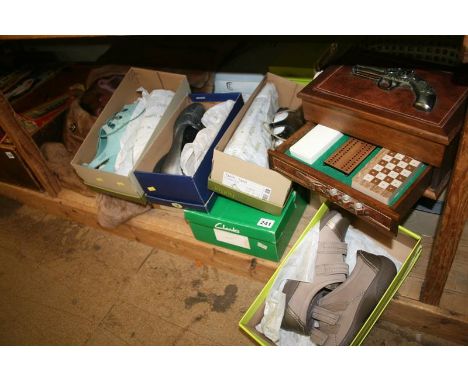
x: 425, y: 101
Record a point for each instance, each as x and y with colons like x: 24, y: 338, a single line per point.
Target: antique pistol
x: 389, y: 78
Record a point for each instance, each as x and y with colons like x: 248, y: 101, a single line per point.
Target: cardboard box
x: 260, y: 187
x: 181, y: 191
x: 406, y: 247
x: 245, y: 229
x: 43, y: 114
x: 300, y: 75
x: 245, y: 83
x: 127, y: 187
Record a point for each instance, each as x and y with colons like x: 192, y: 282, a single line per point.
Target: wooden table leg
x: 27, y: 148
x: 450, y: 227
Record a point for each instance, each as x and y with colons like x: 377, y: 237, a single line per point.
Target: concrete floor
x: 62, y: 283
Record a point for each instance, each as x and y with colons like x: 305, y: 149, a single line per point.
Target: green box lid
x: 232, y: 216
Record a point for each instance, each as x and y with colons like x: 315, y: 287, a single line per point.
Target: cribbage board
x: 385, y: 175
x: 350, y: 155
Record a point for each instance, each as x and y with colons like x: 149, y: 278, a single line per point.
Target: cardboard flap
x: 272, y: 182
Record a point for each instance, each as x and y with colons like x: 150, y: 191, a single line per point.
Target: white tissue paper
x: 300, y: 266
x: 138, y: 132
x: 251, y: 140
x: 193, y: 153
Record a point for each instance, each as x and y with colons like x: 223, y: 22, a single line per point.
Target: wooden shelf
x: 166, y: 229
x: 44, y: 37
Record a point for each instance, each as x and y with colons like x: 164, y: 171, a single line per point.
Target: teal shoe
x: 110, y: 133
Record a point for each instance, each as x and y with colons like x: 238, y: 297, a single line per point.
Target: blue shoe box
x: 181, y: 191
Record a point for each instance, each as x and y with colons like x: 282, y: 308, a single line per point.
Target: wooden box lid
x: 338, y: 89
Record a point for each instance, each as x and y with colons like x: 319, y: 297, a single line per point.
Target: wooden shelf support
x: 450, y: 226
x: 27, y: 148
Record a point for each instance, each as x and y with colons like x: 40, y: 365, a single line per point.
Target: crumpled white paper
x: 251, y: 140
x: 193, y: 153
x: 151, y: 106
x: 300, y: 266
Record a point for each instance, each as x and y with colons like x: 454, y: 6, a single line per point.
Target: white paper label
x: 262, y: 246
x: 232, y: 238
x: 266, y: 223
x: 246, y: 186
x: 9, y: 155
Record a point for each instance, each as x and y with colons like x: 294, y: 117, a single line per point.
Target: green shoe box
x: 405, y: 247
x: 234, y: 225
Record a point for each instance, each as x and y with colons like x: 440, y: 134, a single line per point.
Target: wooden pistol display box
x: 358, y: 107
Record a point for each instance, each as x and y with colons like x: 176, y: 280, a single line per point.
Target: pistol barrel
x: 371, y: 72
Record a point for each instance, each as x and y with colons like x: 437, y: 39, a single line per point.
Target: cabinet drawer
x: 381, y: 215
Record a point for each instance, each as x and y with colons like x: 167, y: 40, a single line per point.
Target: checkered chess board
x: 385, y: 175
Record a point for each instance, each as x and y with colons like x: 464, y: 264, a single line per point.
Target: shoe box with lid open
x: 405, y: 248
x: 127, y: 186
x: 181, y: 190
x: 246, y: 182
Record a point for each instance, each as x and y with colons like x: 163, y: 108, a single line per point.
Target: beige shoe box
x: 127, y: 187
x: 246, y: 182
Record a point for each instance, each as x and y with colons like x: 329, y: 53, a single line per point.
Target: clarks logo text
x: 224, y: 228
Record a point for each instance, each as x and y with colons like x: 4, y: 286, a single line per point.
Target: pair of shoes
x: 186, y: 128
x: 333, y: 307
x: 109, y: 139
x: 330, y: 271
x: 341, y: 313
x: 285, y: 123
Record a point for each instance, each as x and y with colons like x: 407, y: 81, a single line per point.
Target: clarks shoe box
x: 127, y: 187
x: 405, y: 247
x: 181, y: 191
x: 245, y: 229
x: 247, y: 182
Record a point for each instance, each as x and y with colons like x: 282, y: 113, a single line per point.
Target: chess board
x: 386, y: 175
